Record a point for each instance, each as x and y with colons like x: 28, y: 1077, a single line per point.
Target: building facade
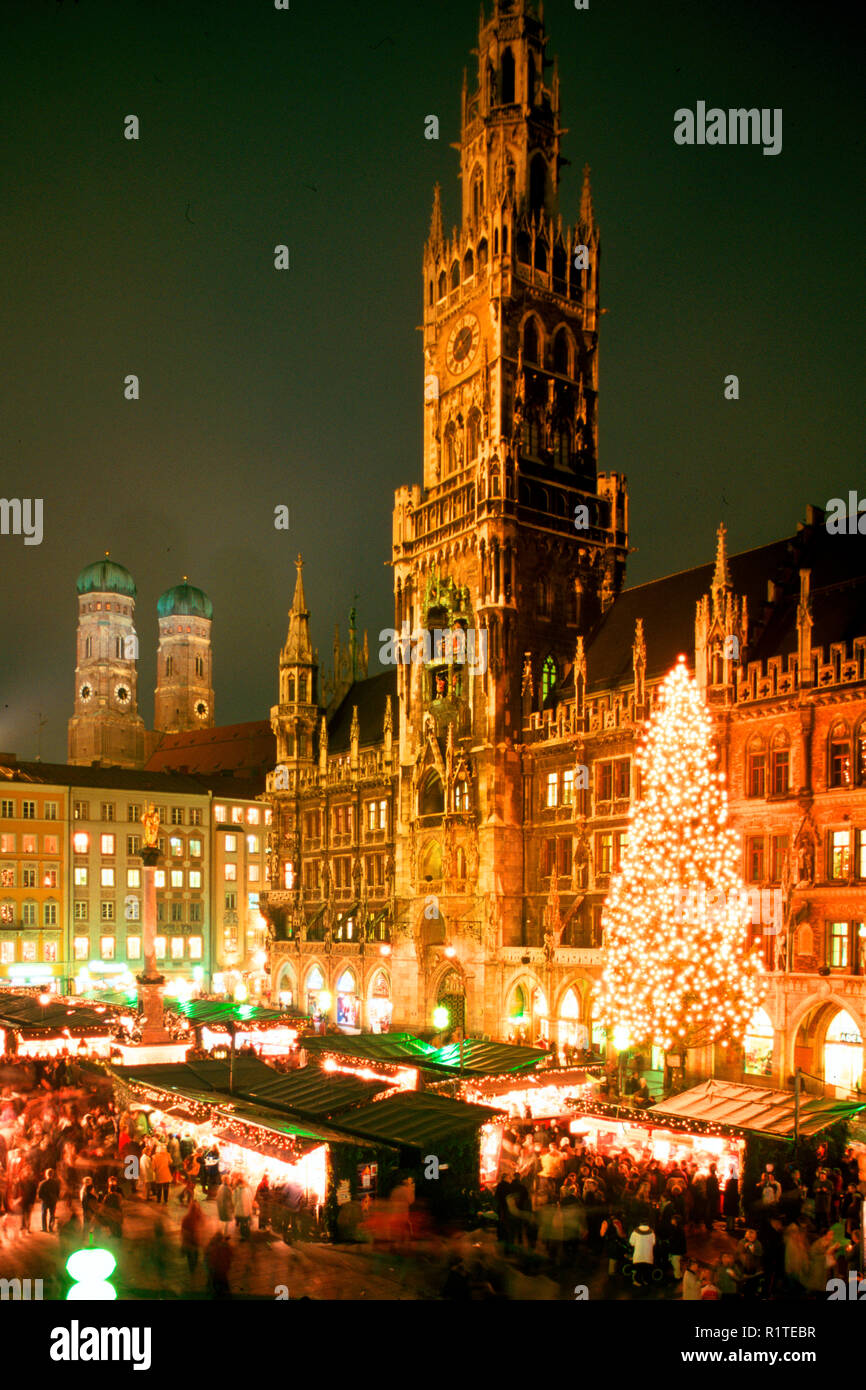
x: 488, y: 775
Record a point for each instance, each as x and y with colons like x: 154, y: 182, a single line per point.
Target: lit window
x: 195, y: 878
x: 371, y: 815
x: 49, y: 878
x: 552, y: 789
x: 81, y: 810
x: 839, y: 935
x: 195, y: 948
x: 81, y: 947
x: 50, y: 844
x: 133, y: 948
x: 7, y: 952
x: 49, y: 915
x: 106, y: 878
x: 133, y: 878
x: 133, y: 909
x: 28, y: 950
x: 253, y: 815
x: 7, y: 844
x: 195, y: 849
x: 230, y: 843
x: 177, y: 878
x: 269, y: 816
x: 604, y: 852
x: 237, y: 815
x: 220, y: 813
x: 568, y: 787
x: 176, y: 846
x: 28, y: 876
x: 252, y: 844
x: 840, y: 853
x: 253, y: 873
x: 106, y: 947
x: 49, y: 950
x: 755, y: 859
x: 159, y: 947
x: 79, y: 877
x: 177, y: 948
x: 107, y: 911
x: 81, y: 842
x: 159, y: 878
x: 288, y: 876
x: 231, y: 873
x: 106, y: 844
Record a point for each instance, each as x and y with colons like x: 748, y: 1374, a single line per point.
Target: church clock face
x: 122, y: 694
x: 463, y: 344
x: 201, y: 709
x: 85, y: 692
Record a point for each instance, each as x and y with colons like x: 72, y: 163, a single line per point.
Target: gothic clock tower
x: 516, y: 544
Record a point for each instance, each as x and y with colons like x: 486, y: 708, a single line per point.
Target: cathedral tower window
x: 291, y: 700
x: 169, y: 666
x: 455, y: 275
x: 443, y: 285
x: 468, y: 266
x: 431, y: 801
x: 430, y: 293
x: 548, y: 677
x: 477, y: 194
x: 302, y: 689
x: 506, y: 76
x: 88, y: 646
x: 482, y: 256
x: 522, y: 247
x: 118, y: 648
x: 562, y: 353
x: 531, y: 342
x: 562, y: 447
x: 473, y: 434
x: 199, y: 665
x: 540, y: 256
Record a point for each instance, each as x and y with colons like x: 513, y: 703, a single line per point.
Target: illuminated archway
x: 843, y: 1052
x: 758, y: 1044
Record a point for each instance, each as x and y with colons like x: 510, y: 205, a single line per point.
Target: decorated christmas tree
x: 679, y: 971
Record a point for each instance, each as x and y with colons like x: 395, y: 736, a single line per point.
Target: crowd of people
x: 563, y: 1199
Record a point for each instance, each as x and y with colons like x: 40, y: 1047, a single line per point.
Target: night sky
x: 304, y: 387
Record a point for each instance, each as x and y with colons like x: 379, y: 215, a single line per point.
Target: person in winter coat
x: 48, y: 1193
x: 112, y: 1209
x: 145, y: 1167
x: 263, y: 1202
x: 731, y: 1203
x: 225, y: 1204
x: 161, y: 1172
x: 192, y: 1229
x: 692, y: 1284
x: 643, y: 1241
x: 219, y: 1258
x: 27, y: 1197
x: 243, y: 1203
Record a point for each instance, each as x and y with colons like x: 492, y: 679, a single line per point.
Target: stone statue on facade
x: 150, y: 822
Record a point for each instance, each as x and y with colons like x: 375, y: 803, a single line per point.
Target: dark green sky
x: 305, y: 387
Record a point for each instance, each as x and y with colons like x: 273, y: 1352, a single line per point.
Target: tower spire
x: 436, y: 232
x: 722, y: 575
x: 587, y: 216
x: 299, y: 647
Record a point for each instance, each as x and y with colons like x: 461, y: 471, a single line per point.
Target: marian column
x: 150, y: 981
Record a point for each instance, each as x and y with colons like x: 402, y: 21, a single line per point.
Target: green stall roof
x: 418, y: 1119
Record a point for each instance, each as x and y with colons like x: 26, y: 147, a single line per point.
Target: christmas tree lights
x: 678, y: 968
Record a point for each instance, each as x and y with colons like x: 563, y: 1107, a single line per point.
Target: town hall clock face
x: 201, y: 709
x: 463, y: 344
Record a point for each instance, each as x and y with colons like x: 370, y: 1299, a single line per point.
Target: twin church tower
x: 106, y: 727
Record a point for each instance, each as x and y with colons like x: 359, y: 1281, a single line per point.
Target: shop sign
x: 368, y: 1174
x: 344, y: 1192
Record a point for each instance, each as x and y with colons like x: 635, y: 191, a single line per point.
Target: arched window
x: 455, y: 275
x: 780, y: 764
x: 473, y: 435
x: 88, y: 646
x: 302, y: 689
x: 805, y: 941
x: 461, y: 796
x: 431, y: 801
x: 291, y: 690
x: 496, y: 241
x: 482, y: 256
x: 430, y: 293
x: 562, y: 447
x: 537, y: 182
x: 756, y: 768
x: 540, y: 255
x: 347, y: 983
x: 430, y: 864
x: 505, y: 241
x: 522, y: 247
x: 548, y: 677
x: 839, y: 756
x: 561, y: 353
x: 169, y: 665
x: 450, y: 449
x: 531, y: 348
x: 506, y: 83
x: 758, y: 1044
x: 315, y: 979
x: 570, y: 1006
x: 469, y: 265
x: 518, y: 1012
x: 443, y: 285
x: 843, y: 1053
x: 477, y: 194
